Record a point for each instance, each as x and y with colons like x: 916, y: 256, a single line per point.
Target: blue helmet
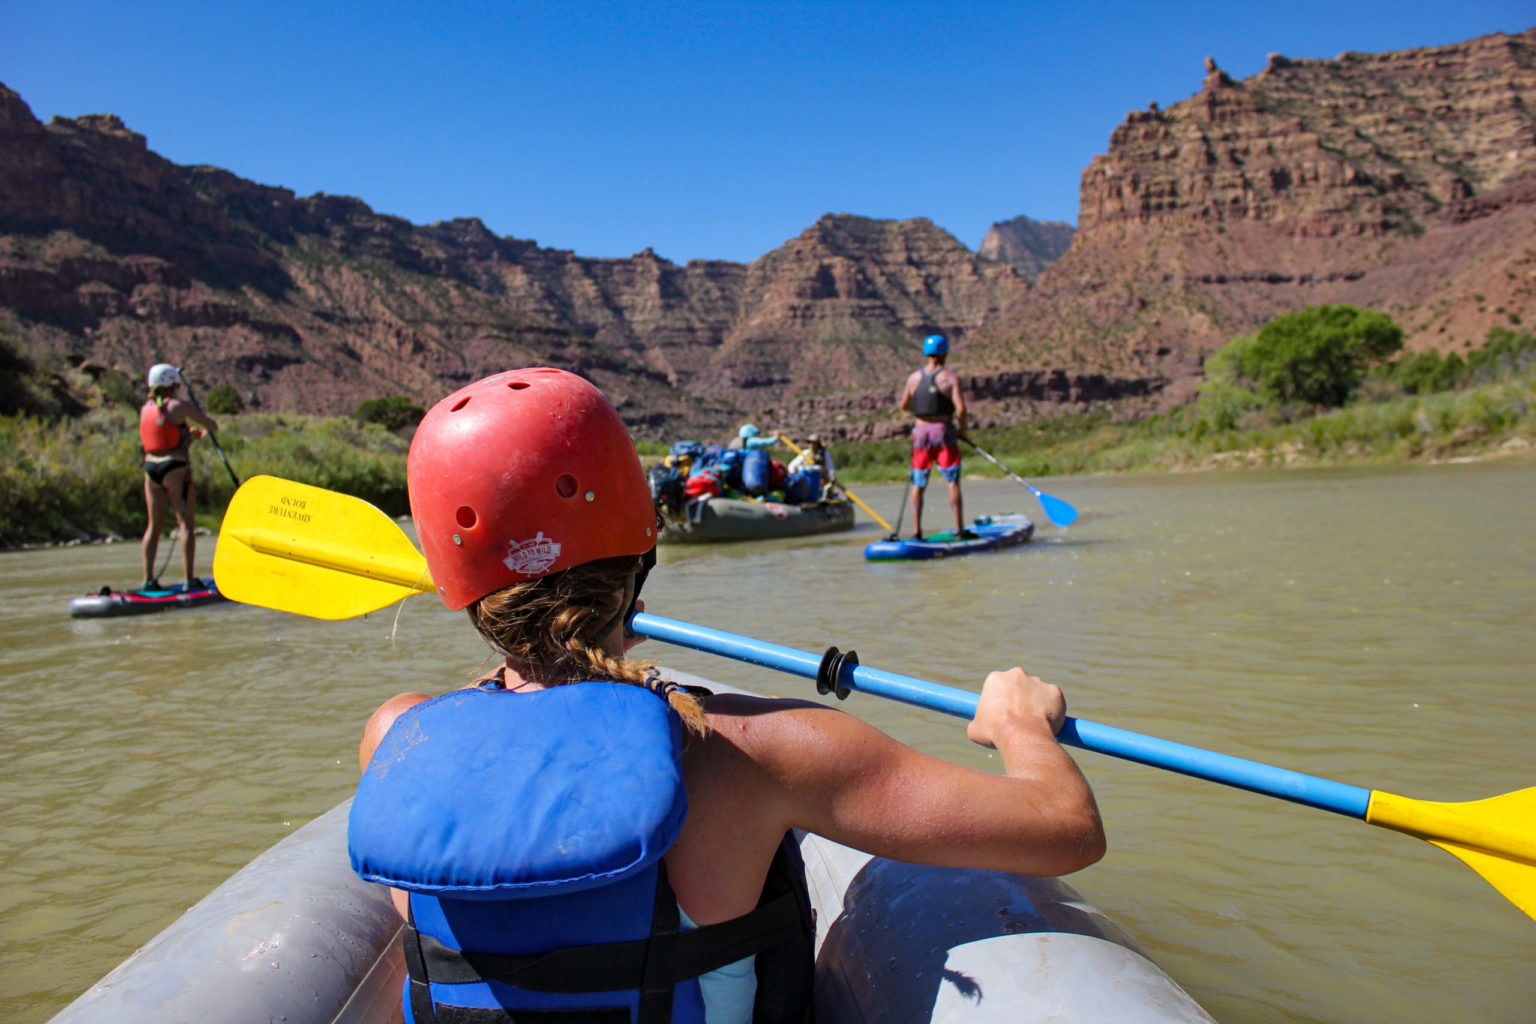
x: 935, y: 345
x: 747, y: 430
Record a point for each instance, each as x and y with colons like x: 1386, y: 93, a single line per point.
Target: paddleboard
x: 107, y: 602
x: 987, y: 533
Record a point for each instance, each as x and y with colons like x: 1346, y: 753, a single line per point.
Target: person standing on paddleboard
x: 166, y: 433
x: 573, y: 833
x: 932, y: 394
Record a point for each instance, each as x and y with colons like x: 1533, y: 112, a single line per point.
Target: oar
x: 211, y: 435
x: 1056, y: 510
x: 785, y: 438
x: 1496, y: 837
x: 302, y: 549
x: 901, y: 512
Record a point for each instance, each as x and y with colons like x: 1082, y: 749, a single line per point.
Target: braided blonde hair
x: 551, y: 628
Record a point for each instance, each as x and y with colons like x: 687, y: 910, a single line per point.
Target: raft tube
x: 295, y: 936
x: 989, y: 533
x: 107, y: 602
x: 716, y: 519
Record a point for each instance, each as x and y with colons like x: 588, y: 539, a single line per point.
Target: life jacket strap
x: 652, y: 965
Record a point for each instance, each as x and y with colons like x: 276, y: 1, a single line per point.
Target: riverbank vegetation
x: 1255, y: 409
x: 1266, y: 402
x: 83, y: 479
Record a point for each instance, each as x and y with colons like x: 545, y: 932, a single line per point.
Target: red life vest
x: 157, y: 433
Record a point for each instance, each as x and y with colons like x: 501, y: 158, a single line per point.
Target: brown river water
x: 1375, y: 627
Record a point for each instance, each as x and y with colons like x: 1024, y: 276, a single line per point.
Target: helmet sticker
x: 532, y: 557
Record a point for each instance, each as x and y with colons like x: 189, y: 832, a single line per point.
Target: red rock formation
x: 1398, y: 180
x: 1029, y: 246
x: 112, y: 255
x: 1404, y: 181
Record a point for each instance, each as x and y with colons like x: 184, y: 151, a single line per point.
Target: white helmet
x: 163, y: 375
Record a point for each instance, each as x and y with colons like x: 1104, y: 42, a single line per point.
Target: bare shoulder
x: 380, y: 721
x: 799, y: 742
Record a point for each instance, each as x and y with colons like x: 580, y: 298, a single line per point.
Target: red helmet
x: 520, y: 475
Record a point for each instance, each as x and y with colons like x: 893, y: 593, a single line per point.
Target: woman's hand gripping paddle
x: 302, y: 549
x: 1056, y: 510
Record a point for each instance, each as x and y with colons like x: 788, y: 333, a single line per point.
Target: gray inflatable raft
x: 716, y: 519
x: 295, y: 936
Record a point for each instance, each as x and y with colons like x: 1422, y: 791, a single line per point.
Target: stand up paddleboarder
x: 166, y: 432
x: 932, y: 394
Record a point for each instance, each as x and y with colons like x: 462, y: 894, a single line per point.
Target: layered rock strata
x: 1402, y: 181
x: 1029, y: 246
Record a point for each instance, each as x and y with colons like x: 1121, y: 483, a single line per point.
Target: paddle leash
x: 1056, y: 510
x: 303, y: 549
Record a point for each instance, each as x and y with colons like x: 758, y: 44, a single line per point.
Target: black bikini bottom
x: 158, y: 471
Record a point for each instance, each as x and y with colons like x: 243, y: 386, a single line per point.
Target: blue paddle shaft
x: 1056, y: 510
x: 1323, y: 794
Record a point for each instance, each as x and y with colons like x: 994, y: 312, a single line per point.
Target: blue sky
x: 702, y: 130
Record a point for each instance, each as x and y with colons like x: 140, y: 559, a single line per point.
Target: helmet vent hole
x: 518, y: 385
x: 461, y: 403
x: 465, y: 517
x: 565, y: 486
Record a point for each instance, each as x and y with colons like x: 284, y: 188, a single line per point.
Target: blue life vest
x: 528, y: 830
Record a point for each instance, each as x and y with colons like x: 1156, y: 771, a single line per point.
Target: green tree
x: 224, y: 400
x: 392, y: 412
x: 1317, y: 355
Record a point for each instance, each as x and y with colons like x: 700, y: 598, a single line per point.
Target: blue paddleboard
x: 988, y: 533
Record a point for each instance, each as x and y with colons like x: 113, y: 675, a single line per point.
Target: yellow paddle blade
x: 1495, y: 837
x: 314, y: 552
x: 1516, y: 879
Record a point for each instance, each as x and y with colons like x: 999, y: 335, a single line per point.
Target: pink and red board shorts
x: 936, y: 442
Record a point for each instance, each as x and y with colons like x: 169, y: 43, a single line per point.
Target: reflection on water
x: 1373, y: 627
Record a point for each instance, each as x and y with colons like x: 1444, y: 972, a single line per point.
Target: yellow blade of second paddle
x: 1496, y: 836
x: 1516, y: 879
x: 314, y: 552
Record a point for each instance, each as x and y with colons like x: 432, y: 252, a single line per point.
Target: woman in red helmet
x: 571, y: 800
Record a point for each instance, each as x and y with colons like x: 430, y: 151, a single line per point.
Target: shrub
x: 392, y: 412
x: 1222, y: 406
x: 1426, y: 372
x: 117, y: 388
x: 224, y: 400
x: 1505, y: 352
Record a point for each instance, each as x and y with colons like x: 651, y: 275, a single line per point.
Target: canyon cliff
x: 1402, y: 181
x: 1029, y: 246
